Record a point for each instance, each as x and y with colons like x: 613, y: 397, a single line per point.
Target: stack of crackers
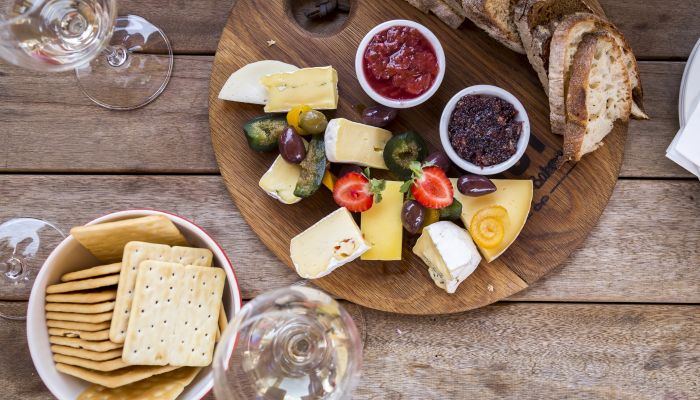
x: 143, y: 324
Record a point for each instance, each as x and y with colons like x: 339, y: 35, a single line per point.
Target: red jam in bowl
x: 400, y: 63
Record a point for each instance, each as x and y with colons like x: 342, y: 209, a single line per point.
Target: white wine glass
x: 294, y: 343
x: 121, y: 63
x: 25, y: 243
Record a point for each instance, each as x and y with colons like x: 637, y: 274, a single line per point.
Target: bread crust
x: 477, y: 12
x: 577, y: 116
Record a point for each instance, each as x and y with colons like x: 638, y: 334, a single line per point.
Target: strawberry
x: 356, y: 192
x: 430, y: 186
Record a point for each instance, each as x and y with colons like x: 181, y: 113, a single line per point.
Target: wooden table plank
x: 654, y: 28
x: 508, y: 350
x: 644, y: 248
x: 40, y: 130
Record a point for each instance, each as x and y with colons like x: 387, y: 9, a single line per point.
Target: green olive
x: 313, y: 122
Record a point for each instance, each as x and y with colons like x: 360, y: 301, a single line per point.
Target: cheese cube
x: 330, y: 243
x: 314, y: 87
x: 280, y: 181
x: 449, y: 252
x: 352, y: 143
x: 515, y: 195
x: 381, y: 225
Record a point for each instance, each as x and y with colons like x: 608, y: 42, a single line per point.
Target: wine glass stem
x: 116, y: 55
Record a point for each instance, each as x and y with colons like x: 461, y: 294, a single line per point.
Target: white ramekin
x: 71, y: 256
x: 360, y: 71
x: 522, y: 142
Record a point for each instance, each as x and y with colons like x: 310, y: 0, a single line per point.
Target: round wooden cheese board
x: 567, y: 202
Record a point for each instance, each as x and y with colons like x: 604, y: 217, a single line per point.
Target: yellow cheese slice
x: 354, y: 143
x: 314, y: 87
x: 381, y: 225
x: 514, y: 195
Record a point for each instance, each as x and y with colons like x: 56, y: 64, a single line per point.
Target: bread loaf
x: 599, y: 93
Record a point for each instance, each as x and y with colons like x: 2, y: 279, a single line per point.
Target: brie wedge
x: 449, y: 252
x: 353, y: 143
x: 314, y: 87
x: 280, y: 181
x: 244, y: 85
x: 330, y: 243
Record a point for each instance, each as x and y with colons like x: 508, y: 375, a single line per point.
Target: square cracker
x: 175, y: 315
x: 83, y: 298
x: 106, y: 241
x: 82, y: 326
x: 76, y: 333
x: 134, y: 254
x: 87, y: 354
x: 95, y: 308
x: 116, y: 378
x: 102, y: 346
x: 165, y: 386
x: 102, y: 366
x: 85, y: 284
x: 93, y: 272
x: 74, y: 317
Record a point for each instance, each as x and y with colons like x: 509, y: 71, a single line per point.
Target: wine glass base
x: 25, y: 243
x: 133, y: 82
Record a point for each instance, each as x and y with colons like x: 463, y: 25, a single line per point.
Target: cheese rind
x: 327, y: 245
x: 353, y: 143
x: 449, y: 252
x: 381, y: 225
x: 515, y: 195
x: 280, y: 180
x: 313, y: 87
x: 244, y: 84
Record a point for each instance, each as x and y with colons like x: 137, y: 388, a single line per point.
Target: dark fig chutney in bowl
x: 484, y: 130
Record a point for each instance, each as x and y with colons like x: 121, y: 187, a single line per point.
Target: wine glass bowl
x: 54, y: 35
x: 289, y: 344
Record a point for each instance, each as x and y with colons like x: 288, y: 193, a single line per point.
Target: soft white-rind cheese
x: 327, y: 245
x: 449, y: 252
x: 280, y: 181
x: 244, y: 85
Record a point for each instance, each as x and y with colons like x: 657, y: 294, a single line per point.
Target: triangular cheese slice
x: 514, y: 195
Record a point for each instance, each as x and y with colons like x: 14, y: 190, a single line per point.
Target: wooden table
x: 621, y: 319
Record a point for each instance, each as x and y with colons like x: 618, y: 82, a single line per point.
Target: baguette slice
x: 599, y: 94
x: 496, y: 18
x: 536, y: 20
x: 565, y: 41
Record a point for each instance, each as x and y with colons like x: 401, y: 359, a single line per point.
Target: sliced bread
x: 496, y: 18
x: 449, y: 11
x: 599, y: 93
x: 536, y: 20
x: 564, y: 43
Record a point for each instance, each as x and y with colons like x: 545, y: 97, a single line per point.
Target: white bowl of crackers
x: 131, y: 305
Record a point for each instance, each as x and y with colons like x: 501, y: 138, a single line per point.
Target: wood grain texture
x: 513, y: 351
x: 656, y: 29
x: 567, y: 201
x: 644, y: 249
x: 172, y: 134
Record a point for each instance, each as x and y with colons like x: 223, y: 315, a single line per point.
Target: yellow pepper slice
x: 488, y: 226
x: 329, y: 180
x: 294, y: 116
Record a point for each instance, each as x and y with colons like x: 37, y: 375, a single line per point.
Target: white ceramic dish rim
x: 522, y: 142
x: 689, y: 95
x: 45, y: 366
x: 360, y: 71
